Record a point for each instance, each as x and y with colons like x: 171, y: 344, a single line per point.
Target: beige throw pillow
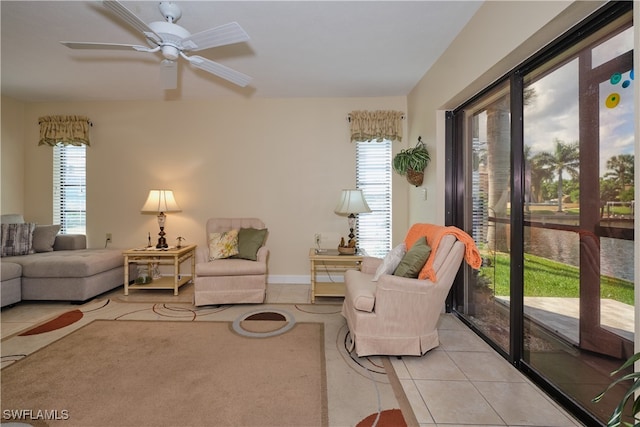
x: 223, y: 245
x: 44, y: 236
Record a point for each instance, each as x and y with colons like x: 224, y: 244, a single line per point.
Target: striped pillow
x: 17, y: 239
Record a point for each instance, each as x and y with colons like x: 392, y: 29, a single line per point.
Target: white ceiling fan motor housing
x: 172, y: 36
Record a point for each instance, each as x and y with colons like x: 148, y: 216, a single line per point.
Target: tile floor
x: 461, y: 383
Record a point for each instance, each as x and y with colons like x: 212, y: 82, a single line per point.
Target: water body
x: 616, y: 256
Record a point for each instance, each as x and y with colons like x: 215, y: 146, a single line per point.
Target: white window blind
x: 69, y: 188
x: 373, y: 177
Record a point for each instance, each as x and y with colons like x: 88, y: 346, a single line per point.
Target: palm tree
x: 622, y: 170
x: 565, y: 158
x: 538, y: 171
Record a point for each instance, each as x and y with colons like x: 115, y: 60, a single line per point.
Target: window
x: 373, y: 177
x: 70, y: 188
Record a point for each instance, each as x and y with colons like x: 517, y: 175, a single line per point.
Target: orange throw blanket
x: 434, y: 234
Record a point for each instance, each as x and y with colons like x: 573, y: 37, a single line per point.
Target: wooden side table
x: 154, y: 256
x: 330, y: 262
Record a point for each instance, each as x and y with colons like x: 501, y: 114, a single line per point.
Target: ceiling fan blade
x: 169, y: 74
x: 130, y: 18
x: 108, y: 46
x: 219, y: 36
x: 219, y: 70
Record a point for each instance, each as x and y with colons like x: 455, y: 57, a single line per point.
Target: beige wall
x: 282, y: 160
x: 12, y: 155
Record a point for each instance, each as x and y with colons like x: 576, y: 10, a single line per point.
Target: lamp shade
x: 351, y: 202
x: 160, y: 201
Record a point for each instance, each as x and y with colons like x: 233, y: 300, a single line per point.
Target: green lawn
x: 546, y: 278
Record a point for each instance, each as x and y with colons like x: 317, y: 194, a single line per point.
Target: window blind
x: 69, y: 188
x: 373, y: 177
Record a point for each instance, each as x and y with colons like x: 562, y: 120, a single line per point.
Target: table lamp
x: 159, y: 202
x: 351, y: 203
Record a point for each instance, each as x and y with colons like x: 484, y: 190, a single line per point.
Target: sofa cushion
x: 77, y: 263
x: 12, y: 219
x: 68, y: 242
x: 391, y: 261
x: 17, y: 239
x: 414, y: 259
x: 249, y: 241
x: 223, y: 245
x: 44, y: 236
x: 10, y: 270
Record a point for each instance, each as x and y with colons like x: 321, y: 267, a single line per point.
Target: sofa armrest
x: 370, y: 264
x: 263, y: 254
x: 202, y: 254
x: 69, y: 242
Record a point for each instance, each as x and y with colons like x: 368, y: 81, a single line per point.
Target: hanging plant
x: 412, y: 162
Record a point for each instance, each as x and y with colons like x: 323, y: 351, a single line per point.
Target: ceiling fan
x: 173, y: 41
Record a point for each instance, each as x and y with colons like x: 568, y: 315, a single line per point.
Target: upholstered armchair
x: 232, y: 269
x: 396, y: 315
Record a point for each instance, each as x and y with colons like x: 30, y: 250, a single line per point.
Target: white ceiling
x: 297, y: 48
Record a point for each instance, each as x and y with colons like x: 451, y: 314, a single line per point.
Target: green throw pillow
x: 249, y: 241
x: 414, y: 259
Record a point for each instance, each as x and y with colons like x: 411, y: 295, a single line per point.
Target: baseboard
x: 287, y: 279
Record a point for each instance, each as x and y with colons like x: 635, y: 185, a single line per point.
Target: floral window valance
x: 376, y: 125
x: 68, y: 130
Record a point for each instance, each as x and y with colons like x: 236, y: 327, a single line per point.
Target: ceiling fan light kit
x: 173, y: 41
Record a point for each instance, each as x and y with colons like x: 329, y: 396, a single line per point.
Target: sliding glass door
x: 488, y: 151
x: 546, y: 159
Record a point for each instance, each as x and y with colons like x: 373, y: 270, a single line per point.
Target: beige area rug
x: 359, y: 391
x: 148, y: 373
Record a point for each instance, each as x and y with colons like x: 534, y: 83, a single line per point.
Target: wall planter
x: 412, y: 162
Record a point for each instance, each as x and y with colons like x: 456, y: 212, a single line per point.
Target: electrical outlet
x: 108, y: 237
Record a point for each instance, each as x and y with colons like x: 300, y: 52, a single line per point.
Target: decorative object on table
x: 351, y: 202
x: 143, y: 275
x: 160, y: 202
x: 412, y: 162
x: 179, y: 239
x: 347, y: 250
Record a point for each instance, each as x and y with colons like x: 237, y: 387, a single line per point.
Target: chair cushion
x: 249, y: 241
x: 223, y: 245
x: 230, y: 267
x: 44, y: 236
x: 391, y: 261
x: 414, y: 259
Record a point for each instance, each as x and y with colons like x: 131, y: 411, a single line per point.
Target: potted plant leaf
x: 633, y: 378
x: 412, y: 162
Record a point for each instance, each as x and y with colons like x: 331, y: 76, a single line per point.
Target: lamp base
x: 162, y: 242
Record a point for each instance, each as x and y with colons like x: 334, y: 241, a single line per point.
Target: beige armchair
x: 399, y: 315
x: 241, y: 278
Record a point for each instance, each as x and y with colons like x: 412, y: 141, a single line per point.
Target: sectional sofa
x: 54, y: 267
